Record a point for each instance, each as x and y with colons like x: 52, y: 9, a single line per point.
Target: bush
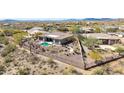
x: 8, y: 59
x: 98, y: 30
x: 9, y: 48
x: 1, y: 34
x: 50, y: 62
x: 118, y: 70
x: 95, y: 55
x: 98, y: 71
x: 2, y: 69
x: 18, y: 36
x: 91, y: 42
x: 3, y: 40
x: 24, y: 71
x: 119, y: 49
x: 71, y: 71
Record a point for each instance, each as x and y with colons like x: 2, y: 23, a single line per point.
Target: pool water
x: 44, y: 44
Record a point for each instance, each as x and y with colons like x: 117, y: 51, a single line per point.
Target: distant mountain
x: 56, y: 20
x: 8, y: 20
x: 89, y: 19
x: 98, y: 19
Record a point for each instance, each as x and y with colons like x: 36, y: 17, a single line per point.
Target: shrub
x: 119, y: 49
x: 1, y: 34
x: 51, y: 62
x: 3, y: 40
x: 38, y: 34
x: 118, y: 70
x: 8, y: 59
x: 9, y: 48
x: 24, y: 71
x: 98, y: 71
x: 91, y: 42
x: 2, y: 69
x: 4, y: 53
x: 97, y: 29
x: 70, y: 71
x: 34, y: 59
x: 19, y: 36
x: 95, y: 55
x: 8, y: 32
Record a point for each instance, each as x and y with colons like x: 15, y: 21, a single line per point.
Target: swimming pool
x: 45, y: 44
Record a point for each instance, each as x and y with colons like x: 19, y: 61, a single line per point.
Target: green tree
x: 91, y: 42
x: 98, y: 30
x: 19, y: 36
x: 112, y: 29
x: 119, y: 49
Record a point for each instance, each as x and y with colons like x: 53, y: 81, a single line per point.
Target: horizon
x: 51, y: 18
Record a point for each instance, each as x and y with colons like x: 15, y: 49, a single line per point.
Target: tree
x: 37, y: 35
x: 63, y: 29
x: 119, y: 49
x: 90, y: 42
x: 97, y: 29
x: 74, y: 29
x: 112, y: 29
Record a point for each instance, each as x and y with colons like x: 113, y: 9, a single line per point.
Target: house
x: 106, y: 39
x: 111, y: 28
x: 121, y: 27
x: 6, y: 24
x: 86, y: 30
x: 59, y: 38
x: 35, y: 30
x: 119, y: 34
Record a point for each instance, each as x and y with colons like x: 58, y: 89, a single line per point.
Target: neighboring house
x: 119, y: 34
x: 121, y: 27
x: 6, y: 24
x: 58, y: 37
x: 111, y: 28
x: 36, y: 30
x: 86, y: 30
x: 106, y: 39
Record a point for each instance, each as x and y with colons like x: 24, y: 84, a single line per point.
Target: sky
x: 61, y: 9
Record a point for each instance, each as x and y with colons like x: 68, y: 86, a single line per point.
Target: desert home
x: 57, y: 37
x: 35, y: 30
x: 106, y: 39
x: 86, y: 30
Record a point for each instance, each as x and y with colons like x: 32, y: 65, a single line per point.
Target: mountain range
x: 56, y: 19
